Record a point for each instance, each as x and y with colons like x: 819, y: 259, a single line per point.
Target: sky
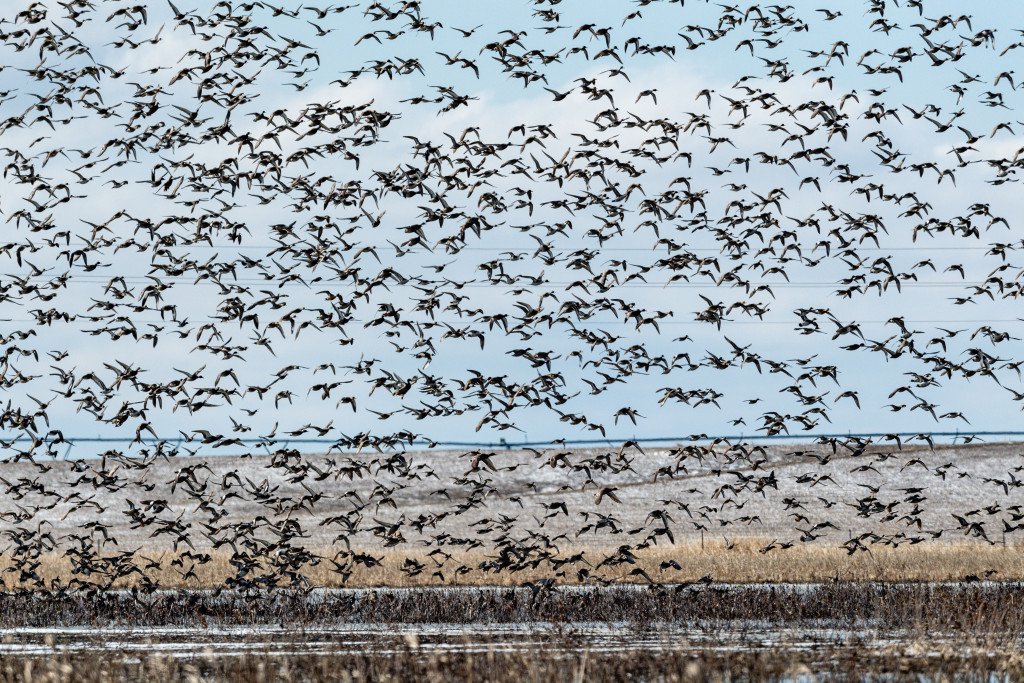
x: 659, y: 87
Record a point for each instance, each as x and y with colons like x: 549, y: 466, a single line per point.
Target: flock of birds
x: 237, y: 226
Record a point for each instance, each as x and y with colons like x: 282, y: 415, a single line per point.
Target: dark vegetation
x: 974, y: 608
x: 500, y: 666
x: 691, y: 633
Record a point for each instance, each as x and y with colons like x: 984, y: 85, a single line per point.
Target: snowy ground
x: 917, y: 492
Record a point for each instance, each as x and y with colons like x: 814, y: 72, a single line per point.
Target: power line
x: 607, y: 323
x: 285, y: 442
x: 519, y: 249
x: 141, y: 279
x: 578, y: 323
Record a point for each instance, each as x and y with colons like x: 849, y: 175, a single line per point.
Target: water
x: 555, y: 639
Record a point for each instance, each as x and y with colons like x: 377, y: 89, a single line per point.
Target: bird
x: 250, y: 205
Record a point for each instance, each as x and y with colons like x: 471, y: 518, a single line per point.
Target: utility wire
x: 285, y: 442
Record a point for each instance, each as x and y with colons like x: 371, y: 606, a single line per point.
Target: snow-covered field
x: 783, y: 493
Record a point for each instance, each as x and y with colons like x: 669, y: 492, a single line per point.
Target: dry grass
x: 911, y: 608
x: 495, y: 665
x: 743, y: 562
x: 546, y: 656
x: 831, y: 631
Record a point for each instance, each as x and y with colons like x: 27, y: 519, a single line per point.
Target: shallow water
x: 555, y: 639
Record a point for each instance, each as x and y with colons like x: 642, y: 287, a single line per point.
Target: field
x: 741, y: 562
x: 731, y: 603
x: 743, y: 537
x: 844, y: 631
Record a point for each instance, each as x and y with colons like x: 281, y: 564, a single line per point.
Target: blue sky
x: 500, y: 104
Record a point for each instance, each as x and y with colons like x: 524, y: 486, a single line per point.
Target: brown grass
x: 743, y: 562
x: 497, y: 666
